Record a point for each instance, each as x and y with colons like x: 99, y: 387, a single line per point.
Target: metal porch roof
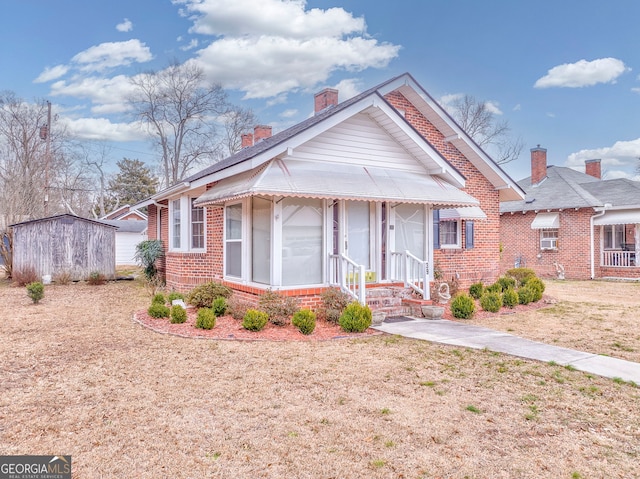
x: 329, y: 180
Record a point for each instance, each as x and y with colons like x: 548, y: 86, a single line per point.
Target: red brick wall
x: 518, y: 239
x: 482, y: 261
x: 185, y: 269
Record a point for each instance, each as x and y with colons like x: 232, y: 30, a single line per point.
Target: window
x: 197, y: 226
x: 302, y: 221
x: 613, y: 236
x: 548, y: 239
x: 449, y: 234
x: 175, y: 224
x: 261, y: 241
x: 233, y: 240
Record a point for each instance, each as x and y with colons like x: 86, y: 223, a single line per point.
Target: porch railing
x: 411, y: 270
x: 348, y: 275
x: 619, y: 258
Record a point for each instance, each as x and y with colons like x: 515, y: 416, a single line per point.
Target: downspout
x: 591, y: 234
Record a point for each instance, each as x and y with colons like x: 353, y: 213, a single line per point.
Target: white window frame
x: 175, y: 206
x: 549, y: 238
x: 458, y: 243
x: 204, y: 227
x: 184, y: 233
x: 242, y: 240
x: 614, y: 230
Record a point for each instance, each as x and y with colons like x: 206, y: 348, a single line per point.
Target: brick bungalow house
x: 382, y: 189
x: 572, y: 224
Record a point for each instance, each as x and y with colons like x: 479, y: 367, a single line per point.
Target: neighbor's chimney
x: 260, y: 132
x: 326, y: 98
x: 247, y: 139
x: 592, y: 168
x: 538, y: 164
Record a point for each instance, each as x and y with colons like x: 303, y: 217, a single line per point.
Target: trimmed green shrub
x: 159, y: 298
x: 537, y: 286
x: 491, y: 302
x: 255, y: 320
x: 174, y: 295
x: 219, y: 306
x: 203, y: 296
x: 525, y: 295
x: 476, y: 290
x: 206, y: 319
x: 462, y: 306
x: 355, y: 318
x: 494, y: 288
x: 304, y: 320
x: 521, y: 275
x: 510, y: 298
x: 178, y: 314
x: 334, y: 301
x: 238, y: 307
x: 506, y: 282
x: 35, y: 291
x: 157, y: 310
x: 279, y: 308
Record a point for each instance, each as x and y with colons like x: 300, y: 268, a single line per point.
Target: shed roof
x: 63, y: 217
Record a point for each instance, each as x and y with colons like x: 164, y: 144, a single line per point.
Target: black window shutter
x: 468, y: 229
x: 436, y: 229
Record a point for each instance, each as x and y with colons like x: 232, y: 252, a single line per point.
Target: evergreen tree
x: 132, y: 184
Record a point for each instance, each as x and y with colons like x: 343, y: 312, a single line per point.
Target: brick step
x: 383, y: 302
x: 391, y: 311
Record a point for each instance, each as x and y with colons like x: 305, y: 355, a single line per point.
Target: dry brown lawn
x: 80, y: 377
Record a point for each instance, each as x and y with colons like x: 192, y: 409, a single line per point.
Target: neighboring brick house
x: 383, y: 188
x: 572, y: 224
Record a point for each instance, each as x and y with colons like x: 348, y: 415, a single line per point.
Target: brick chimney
x: 538, y: 164
x: 247, y: 139
x: 260, y: 132
x: 326, y: 98
x: 593, y: 168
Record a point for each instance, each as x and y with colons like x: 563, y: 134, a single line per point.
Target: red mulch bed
x: 231, y: 329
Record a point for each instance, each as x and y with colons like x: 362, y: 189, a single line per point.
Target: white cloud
x: 636, y: 90
x: 583, y: 73
x: 192, y: 44
x: 622, y: 154
x: 125, y: 26
x: 269, y: 47
x: 289, y: 113
x: 104, y: 130
x: 348, y: 88
x: 492, y: 107
x: 110, y: 94
x: 53, y: 73
x: 112, y: 54
x: 270, y: 17
x: 518, y: 107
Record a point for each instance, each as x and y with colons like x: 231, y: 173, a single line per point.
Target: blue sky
x: 564, y: 74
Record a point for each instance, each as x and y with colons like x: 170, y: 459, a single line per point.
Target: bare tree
x: 236, y: 121
x: 180, y: 109
x: 481, y: 124
x: 22, y: 158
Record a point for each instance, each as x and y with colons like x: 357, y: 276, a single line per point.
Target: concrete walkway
x: 476, y: 337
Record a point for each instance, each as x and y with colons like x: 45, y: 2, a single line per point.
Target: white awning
x: 326, y: 180
x: 624, y: 217
x: 546, y: 221
x: 464, y: 213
